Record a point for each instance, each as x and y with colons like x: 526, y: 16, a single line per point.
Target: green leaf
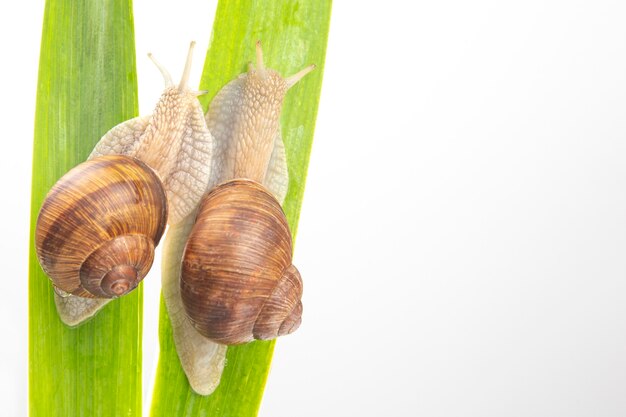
x: 87, y: 84
x: 294, y: 34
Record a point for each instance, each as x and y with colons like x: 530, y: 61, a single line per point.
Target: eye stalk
x: 184, y: 80
x: 182, y: 86
x: 167, y: 77
x: 260, y: 67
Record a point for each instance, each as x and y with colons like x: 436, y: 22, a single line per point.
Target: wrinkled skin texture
x: 175, y: 142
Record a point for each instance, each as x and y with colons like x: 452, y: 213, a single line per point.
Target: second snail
x: 218, y: 180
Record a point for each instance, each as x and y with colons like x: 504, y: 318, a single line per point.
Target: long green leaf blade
x: 294, y: 34
x: 87, y: 84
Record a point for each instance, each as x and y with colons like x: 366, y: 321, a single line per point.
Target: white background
x: 463, y: 234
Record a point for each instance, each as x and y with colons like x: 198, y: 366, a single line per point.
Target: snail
x: 233, y: 223
x: 92, y: 235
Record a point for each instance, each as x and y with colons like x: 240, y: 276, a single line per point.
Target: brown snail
x: 98, y: 227
x: 237, y: 281
x: 100, y: 224
x: 244, y: 119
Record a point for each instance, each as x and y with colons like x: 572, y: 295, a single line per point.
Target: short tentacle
x: 293, y: 79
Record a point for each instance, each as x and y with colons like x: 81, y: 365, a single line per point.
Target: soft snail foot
x: 74, y: 310
x: 202, y: 360
x: 204, y: 364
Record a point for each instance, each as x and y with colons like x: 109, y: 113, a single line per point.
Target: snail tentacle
x: 293, y: 80
x: 167, y: 77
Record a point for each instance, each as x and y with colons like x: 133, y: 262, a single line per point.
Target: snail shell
x: 237, y: 281
x: 98, y: 227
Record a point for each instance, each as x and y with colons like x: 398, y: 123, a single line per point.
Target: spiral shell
x: 237, y: 281
x: 98, y: 227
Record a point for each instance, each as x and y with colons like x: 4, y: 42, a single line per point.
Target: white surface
x: 463, y: 234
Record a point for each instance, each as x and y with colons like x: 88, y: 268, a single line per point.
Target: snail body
x: 244, y: 119
x: 174, y: 141
x: 174, y: 147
